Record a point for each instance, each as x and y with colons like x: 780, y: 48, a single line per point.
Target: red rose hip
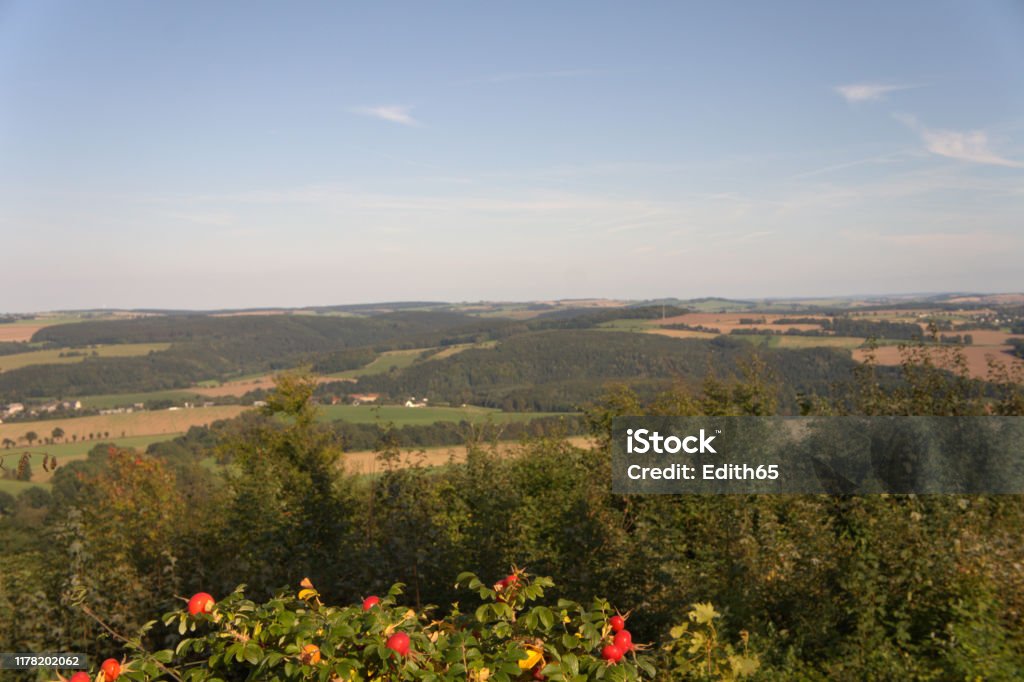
x: 611, y: 653
x: 201, y: 602
x: 111, y: 669
x: 370, y: 602
x: 399, y: 643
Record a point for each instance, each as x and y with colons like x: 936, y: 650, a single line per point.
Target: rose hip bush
x: 510, y: 636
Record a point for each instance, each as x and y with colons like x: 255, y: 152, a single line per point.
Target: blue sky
x: 197, y: 154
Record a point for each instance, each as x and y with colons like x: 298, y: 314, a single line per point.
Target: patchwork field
x: 726, y: 322
x: 62, y: 357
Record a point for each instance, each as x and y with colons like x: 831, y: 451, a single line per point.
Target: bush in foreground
x: 508, y: 637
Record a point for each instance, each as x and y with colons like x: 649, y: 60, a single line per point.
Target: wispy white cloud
x: 863, y: 92
x: 972, y: 145
x: 393, y: 113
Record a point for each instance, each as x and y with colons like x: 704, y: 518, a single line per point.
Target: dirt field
x: 130, y: 425
x: 977, y: 357
x: 18, y: 332
x: 243, y: 386
x: 365, y: 461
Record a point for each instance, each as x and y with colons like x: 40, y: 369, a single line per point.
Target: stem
x: 89, y: 612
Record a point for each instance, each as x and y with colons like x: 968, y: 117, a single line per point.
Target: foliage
x: 828, y: 587
x: 509, y: 636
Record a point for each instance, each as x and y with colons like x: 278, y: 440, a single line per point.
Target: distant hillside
x: 560, y: 370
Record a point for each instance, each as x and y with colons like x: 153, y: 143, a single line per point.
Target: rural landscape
x: 328, y: 329
x: 152, y: 455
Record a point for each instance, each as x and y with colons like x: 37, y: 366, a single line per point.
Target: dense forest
x: 560, y: 370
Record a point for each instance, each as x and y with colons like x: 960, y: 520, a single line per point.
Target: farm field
x: 628, y: 325
x: 449, y: 351
x: 681, y: 333
x: 53, y: 356
x: 385, y: 362
x: 240, y: 387
x: 128, y: 399
x: 726, y: 322
x: 143, y: 423
x: 23, y: 330
x: 850, y: 342
x: 401, y: 416
x: 977, y: 356
x: 365, y: 462
x: 69, y: 452
x: 16, y: 488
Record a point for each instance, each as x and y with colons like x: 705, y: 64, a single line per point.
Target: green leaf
x: 571, y: 663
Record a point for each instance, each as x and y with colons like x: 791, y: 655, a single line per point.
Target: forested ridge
x: 560, y: 370
x: 552, y: 363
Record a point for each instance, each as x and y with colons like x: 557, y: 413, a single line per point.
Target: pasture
x: 67, y: 356
x: 69, y: 452
x: 384, y: 363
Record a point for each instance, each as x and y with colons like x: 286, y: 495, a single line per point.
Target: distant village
x: 19, y: 409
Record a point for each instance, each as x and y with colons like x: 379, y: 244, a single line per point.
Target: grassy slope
x: 53, y: 356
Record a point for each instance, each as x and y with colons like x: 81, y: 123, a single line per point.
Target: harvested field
x: 145, y: 423
x: 243, y: 386
x: 977, y: 357
x: 365, y: 462
x: 18, y: 332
